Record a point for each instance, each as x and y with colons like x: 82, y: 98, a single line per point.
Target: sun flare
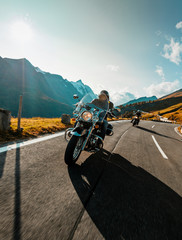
x: 21, y: 31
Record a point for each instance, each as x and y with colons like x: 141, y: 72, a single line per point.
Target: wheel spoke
x: 77, y: 148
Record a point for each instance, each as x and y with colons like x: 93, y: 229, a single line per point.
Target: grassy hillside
x: 174, y: 94
x: 151, y: 106
x: 173, y: 113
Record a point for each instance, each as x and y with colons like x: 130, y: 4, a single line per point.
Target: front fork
x: 71, y: 132
x: 86, y: 140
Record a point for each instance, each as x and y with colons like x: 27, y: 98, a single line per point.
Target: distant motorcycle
x: 85, y: 134
x: 135, y: 121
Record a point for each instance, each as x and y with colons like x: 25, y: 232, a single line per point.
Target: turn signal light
x: 96, y: 126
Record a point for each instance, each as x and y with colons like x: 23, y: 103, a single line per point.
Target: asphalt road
x: 130, y: 190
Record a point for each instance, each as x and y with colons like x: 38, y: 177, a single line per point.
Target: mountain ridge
x: 140, y: 99
x: 45, y: 94
x: 177, y: 93
x: 156, y: 105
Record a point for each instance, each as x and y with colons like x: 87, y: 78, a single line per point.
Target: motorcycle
x: 85, y: 134
x: 135, y: 121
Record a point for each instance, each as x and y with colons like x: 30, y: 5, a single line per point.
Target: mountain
x: 141, y: 99
x: 177, y: 93
x: 156, y: 105
x: 44, y: 94
x: 83, y: 89
x: 152, y: 104
x: 173, y: 113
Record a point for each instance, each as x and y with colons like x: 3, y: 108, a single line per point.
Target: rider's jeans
x: 103, y: 129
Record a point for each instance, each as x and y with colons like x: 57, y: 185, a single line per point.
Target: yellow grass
x: 179, y: 129
x: 173, y: 113
x: 36, y: 126
x: 114, y: 119
x: 33, y: 127
x: 147, y: 116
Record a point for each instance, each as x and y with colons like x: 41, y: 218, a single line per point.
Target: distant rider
x: 138, y: 115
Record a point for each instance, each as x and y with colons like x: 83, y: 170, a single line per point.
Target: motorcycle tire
x: 72, y: 154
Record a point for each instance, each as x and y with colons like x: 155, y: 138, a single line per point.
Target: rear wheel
x: 73, y: 150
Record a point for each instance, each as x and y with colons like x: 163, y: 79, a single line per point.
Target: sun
x: 21, y: 31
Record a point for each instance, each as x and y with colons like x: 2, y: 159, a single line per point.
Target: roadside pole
x: 19, y: 113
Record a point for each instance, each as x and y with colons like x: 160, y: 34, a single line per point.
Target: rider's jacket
x: 103, y: 105
x: 138, y: 114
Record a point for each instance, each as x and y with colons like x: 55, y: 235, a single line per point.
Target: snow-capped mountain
x: 82, y: 88
x: 39, y: 70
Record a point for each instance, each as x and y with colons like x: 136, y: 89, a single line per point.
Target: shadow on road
x: 2, y: 163
x: 125, y: 201
x: 17, y: 200
x: 154, y: 132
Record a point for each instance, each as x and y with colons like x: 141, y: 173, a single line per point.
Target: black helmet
x: 106, y: 93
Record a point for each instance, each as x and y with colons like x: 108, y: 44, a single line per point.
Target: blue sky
x: 131, y: 48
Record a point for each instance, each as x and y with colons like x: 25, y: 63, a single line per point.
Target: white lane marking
x: 124, y: 133
x: 153, y: 126
x: 159, y: 148
x: 119, y: 140
x: 118, y: 121
x: 25, y: 143
x: 176, y: 130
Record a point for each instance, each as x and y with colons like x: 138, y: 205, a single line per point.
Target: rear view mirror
x: 75, y: 96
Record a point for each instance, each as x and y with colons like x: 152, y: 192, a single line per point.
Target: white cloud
x: 173, y: 51
x: 98, y: 87
x: 157, y: 44
x: 119, y: 98
x: 113, y: 68
x: 160, y: 72
x: 162, y: 88
x: 179, y: 25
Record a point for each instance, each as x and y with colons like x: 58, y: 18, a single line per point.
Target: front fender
x: 76, y: 134
x: 79, y: 132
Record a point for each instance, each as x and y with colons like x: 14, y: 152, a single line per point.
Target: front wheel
x: 73, y: 150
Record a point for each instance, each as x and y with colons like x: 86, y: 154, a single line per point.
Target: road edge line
x: 29, y: 142
x: 176, y: 130
x: 159, y: 148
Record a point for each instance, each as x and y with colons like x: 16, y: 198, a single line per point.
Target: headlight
x: 87, y: 116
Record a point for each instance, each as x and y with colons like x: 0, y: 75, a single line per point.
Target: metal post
x: 19, y: 113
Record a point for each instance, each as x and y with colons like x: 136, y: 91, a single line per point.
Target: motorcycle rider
x: 138, y: 115
x: 103, y: 102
